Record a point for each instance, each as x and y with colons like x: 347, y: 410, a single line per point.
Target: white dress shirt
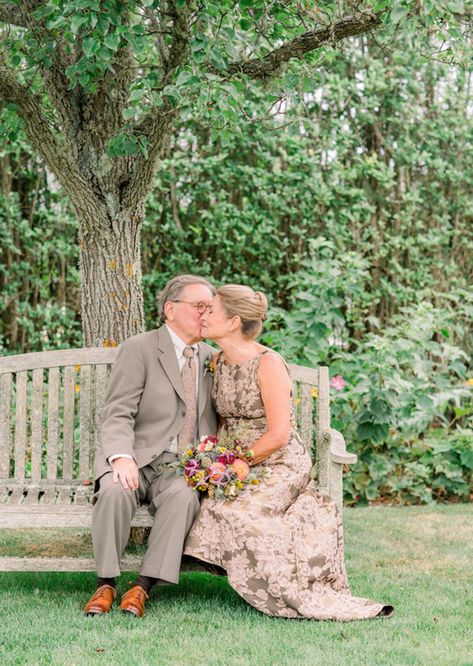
x: 179, y: 346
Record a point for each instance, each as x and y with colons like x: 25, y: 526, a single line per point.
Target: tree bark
x: 110, y: 268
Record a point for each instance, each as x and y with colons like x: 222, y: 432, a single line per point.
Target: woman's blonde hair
x: 251, y: 306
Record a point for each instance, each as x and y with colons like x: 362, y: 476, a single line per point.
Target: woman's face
x: 215, y: 322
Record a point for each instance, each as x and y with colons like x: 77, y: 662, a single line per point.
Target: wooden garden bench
x: 50, y: 410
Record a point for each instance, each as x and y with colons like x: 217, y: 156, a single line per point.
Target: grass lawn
x: 416, y: 558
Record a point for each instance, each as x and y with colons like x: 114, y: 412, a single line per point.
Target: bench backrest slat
x: 36, y: 425
x: 323, y: 423
x: 5, y: 424
x: 20, y: 424
x: 85, y: 420
x: 306, y: 415
x: 53, y: 424
x: 68, y: 429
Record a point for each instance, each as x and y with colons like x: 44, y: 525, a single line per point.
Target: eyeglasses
x: 199, y: 306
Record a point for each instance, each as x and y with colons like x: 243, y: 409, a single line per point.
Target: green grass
x: 415, y: 558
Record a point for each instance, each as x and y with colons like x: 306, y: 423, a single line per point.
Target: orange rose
x: 242, y: 469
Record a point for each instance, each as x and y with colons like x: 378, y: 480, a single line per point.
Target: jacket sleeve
x: 125, y: 387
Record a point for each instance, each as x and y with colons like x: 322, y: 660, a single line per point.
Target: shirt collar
x: 179, y: 344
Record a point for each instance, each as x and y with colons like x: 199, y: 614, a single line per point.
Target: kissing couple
x: 280, y: 544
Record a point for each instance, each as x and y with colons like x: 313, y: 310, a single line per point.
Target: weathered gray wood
x: 85, y: 421
x: 20, y: 426
x: 60, y: 514
x: 36, y: 424
x: 5, y: 424
x: 82, y: 496
x: 338, y: 457
x: 16, y: 498
x: 32, y: 497
x: 64, y: 496
x: 49, y: 496
x: 300, y: 373
x: 306, y: 419
x: 128, y: 563
x: 59, y: 358
x: 68, y: 429
x: 323, y: 423
x: 4, y: 494
x: 53, y: 423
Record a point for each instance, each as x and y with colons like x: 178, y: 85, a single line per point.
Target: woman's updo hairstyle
x: 251, y: 306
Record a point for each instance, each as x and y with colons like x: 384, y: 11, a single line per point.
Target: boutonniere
x: 209, y: 366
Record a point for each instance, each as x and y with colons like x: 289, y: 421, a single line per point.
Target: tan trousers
x: 171, y: 501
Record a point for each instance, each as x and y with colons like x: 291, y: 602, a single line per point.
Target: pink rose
x: 338, y: 383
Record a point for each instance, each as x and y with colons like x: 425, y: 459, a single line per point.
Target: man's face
x: 183, y: 315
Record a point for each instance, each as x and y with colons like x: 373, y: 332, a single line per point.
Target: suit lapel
x: 167, y: 357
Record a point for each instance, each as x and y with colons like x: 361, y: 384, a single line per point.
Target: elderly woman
x: 280, y: 544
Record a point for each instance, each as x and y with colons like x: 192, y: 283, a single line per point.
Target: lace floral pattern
x: 282, y: 543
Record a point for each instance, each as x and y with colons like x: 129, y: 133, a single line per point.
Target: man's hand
x: 125, y: 470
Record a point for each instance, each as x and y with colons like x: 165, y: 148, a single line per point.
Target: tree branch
x: 55, y: 80
x: 57, y: 156
x: 270, y: 65
x: 155, y: 126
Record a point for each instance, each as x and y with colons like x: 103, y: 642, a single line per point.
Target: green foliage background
x: 350, y: 205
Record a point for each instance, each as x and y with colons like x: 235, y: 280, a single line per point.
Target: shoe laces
x: 101, y: 592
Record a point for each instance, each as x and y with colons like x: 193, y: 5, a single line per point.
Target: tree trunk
x: 110, y: 267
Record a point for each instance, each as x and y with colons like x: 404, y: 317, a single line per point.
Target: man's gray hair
x: 173, y: 289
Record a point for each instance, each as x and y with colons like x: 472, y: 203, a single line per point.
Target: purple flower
x: 192, y: 466
x: 226, y: 458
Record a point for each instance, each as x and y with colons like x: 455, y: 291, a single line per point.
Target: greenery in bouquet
x: 219, y: 467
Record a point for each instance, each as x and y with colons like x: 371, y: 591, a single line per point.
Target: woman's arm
x: 276, y: 386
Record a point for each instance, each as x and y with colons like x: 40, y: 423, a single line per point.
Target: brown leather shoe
x: 134, y: 601
x: 101, y: 602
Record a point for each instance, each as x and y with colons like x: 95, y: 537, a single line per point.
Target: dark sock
x: 146, y: 582
x: 106, y: 581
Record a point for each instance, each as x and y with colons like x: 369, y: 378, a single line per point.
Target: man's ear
x: 169, y: 310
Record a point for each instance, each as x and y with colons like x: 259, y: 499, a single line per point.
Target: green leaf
x: 89, y: 46
x: 398, y: 14
x: 112, y: 41
x: 466, y: 458
x: 129, y: 112
x: 103, y: 25
x: 78, y: 20
x: 245, y: 24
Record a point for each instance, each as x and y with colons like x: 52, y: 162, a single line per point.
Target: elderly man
x: 158, y: 402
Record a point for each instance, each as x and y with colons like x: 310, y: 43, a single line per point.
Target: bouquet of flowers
x: 219, y: 467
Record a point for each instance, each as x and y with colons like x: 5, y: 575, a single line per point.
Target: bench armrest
x: 337, y: 448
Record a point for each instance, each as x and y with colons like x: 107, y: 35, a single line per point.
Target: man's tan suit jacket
x: 144, y: 406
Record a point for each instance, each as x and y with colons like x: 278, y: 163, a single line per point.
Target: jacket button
x: 183, y: 412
